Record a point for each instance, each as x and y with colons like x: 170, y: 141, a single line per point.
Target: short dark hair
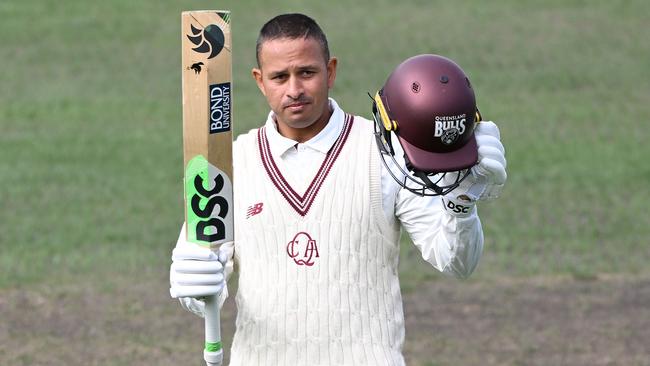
x: 291, y: 26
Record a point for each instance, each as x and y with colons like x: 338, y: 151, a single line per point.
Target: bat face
x: 207, y: 145
x: 207, y: 126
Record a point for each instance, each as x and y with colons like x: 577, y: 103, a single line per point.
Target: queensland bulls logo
x: 450, y: 128
x: 303, y: 249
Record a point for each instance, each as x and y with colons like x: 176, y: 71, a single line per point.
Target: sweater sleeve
x: 452, y: 244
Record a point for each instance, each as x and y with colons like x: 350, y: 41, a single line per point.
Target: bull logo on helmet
x: 303, y: 249
x: 449, y: 128
x: 450, y: 136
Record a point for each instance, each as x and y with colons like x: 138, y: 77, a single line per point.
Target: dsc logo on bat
x: 208, y: 196
x: 214, y: 199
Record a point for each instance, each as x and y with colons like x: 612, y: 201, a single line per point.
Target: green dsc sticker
x: 208, y: 196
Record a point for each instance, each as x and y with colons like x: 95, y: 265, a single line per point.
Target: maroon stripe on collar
x: 302, y: 203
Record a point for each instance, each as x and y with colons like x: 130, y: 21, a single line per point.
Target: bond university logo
x: 449, y: 128
x: 220, y: 105
x: 208, y: 211
x: 303, y: 249
x: 209, y: 40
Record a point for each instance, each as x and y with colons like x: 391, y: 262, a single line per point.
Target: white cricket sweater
x: 318, y: 279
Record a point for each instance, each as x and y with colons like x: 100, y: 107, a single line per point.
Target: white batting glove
x: 195, y: 271
x: 487, y: 178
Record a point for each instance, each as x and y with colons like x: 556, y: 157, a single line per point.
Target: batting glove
x: 195, y: 271
x: 487, y: 178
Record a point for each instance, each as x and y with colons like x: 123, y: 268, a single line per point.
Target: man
x: 318, y: 218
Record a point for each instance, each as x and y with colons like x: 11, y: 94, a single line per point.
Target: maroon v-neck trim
x: 301, y: 203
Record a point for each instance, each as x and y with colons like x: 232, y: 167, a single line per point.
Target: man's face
x: 295, y: 79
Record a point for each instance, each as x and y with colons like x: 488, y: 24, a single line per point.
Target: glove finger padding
x: 488, y: 128
x: 193, y: 266
x: 191, y: 279
x: 193, y: 284
x: 493, y: 170
x: 489, y: 175
x: 490, y: 141
x: 489, y: 152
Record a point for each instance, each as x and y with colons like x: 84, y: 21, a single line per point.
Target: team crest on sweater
x: 303, y: 249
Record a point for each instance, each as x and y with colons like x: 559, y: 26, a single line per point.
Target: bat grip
x: 213, y: 352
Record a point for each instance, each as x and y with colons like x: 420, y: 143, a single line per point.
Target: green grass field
x: 90, y: 128
x: 91, y: 136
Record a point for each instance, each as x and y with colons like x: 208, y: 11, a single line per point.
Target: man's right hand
x: 195, y: 271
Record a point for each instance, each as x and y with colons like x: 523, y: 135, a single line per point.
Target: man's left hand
x: 487, y: 178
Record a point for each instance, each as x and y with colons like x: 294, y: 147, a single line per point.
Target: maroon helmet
x: 429, y: 103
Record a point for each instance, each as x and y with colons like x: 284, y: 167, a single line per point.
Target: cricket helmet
x: 429, y: 104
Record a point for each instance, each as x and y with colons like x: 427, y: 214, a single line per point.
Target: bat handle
x: 213, y: 352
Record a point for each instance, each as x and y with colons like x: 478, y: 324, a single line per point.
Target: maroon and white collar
x: 302, y: 203
x: 322, y: 142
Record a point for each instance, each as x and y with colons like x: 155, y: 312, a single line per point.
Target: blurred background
x: 91, y: 175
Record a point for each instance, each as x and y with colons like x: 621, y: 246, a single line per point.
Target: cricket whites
x: 207, y: 144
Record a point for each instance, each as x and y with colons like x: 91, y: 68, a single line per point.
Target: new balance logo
x: 254, y: 209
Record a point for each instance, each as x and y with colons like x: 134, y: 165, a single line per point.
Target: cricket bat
x: 207, y: 144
